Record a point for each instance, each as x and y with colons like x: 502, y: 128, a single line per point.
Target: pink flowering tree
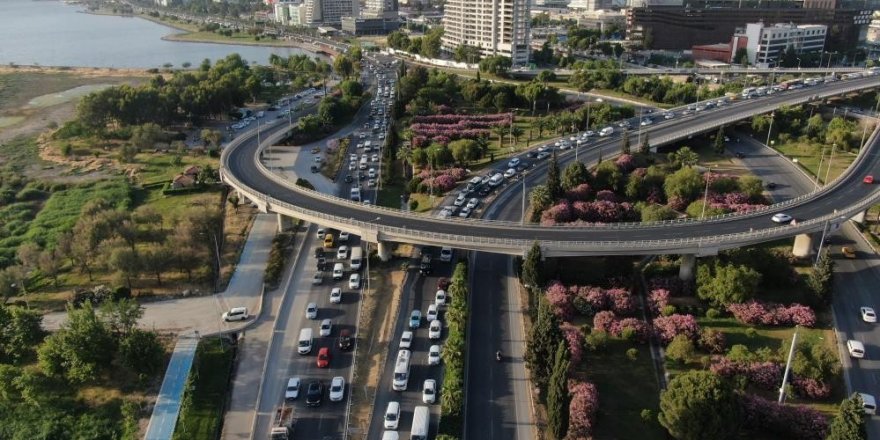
x: 560, y: 298
x: 576, y: 343
x: 787, y: 421
x: 658, y: 299
x: 766, y: 313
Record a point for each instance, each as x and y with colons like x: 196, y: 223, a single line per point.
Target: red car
x: 443, y: 284
x: 323, y: 357
x: 868, y: 179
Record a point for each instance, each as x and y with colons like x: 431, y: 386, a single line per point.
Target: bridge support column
x: 284, y: 222
x: 688, y: 264
x: 803, y: 245
x: 860, y: 217
x: 384, y: 250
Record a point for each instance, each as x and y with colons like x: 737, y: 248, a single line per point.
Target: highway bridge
x: 827, y: 207
x: 733, y: 70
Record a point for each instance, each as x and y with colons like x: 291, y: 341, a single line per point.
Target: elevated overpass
x: 827, y: 207
x: 531, y: 73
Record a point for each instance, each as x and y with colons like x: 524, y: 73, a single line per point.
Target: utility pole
x: 522, y: 217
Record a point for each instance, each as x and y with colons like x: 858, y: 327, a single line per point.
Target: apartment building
x: 766, y: 43
x: 329, y: 12
x: 497, y: 27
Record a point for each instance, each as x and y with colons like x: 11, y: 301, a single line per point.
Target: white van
x: 305, y: 341
x: 856, y: 348
x: 338, y: 271
x: 390, y: 435
x: 392, y: 415
x: 869, y: 404
x: 496, y: 180
x: 356, y: 194
x: 421, y: 421
x: 357, y: 257
x: 607, y: 131
x: 363, y: 164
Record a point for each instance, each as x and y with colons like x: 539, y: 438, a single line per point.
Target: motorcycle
x: 498, y: 356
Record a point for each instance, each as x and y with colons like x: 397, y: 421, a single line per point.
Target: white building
x: 381, y: 9
x: 497, y: 27
x: 766, y: 43
x: 329, y: 12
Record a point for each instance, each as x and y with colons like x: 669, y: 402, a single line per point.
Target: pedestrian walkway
x: 167, y: 409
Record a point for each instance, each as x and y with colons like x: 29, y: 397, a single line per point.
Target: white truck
x: 282, y: 429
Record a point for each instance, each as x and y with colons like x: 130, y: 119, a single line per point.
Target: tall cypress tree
x: 544, y: 338
x: 849, y: 423
x: 533, y: 268
x: 624, y: 146
x: 554, y: 183
x: 558, y: 398
x: 645, y: 147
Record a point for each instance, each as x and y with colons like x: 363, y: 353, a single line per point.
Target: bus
x: 792, y: 84
x: 401, y: 371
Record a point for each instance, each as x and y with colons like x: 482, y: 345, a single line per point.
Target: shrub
x: 647, y: 416
x: 751, y: 333
x: 597, y: 340
x: 668, y: 327
x: 712, y: 313
x: 789, y: 421
x: 765, y: 375
x: 766, y: 313
x: 583, y: 407
x: 632, y: 354
x: 560, y: 298
x: 681, y: 349
x: 668, y: 310
x: 712, y: 341
x: 576, y: 343
x: 658, y: 299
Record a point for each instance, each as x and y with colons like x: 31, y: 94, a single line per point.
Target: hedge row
x: 282, y: 245
x: 452, y: 391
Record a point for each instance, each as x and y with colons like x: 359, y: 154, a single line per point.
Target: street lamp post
x: 522, y: 217
x: 787, y: 367
x: 830, y: 162
x: 706, y: 193
x: 770, y: 129
x: 799, y: 64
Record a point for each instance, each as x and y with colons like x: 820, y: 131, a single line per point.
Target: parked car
x: 235, y: 314
x: 435, y: 330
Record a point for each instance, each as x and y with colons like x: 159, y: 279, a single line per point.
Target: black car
x: 315, y: 394
x: 740, y: 154
x: 348, y: 178
x: 425, y: 265
x: 771, y: 185
x: 532, y: 154
x: 344, y: 342
x: 484, y: 191
x: 322, y: 263
x: 315, y: 168
x: 319, y: 252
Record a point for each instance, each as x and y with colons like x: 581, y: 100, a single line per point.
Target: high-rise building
x: 496, y: 27
x: 766, y: 44
x: 329, y: 12
x: 381, y: 9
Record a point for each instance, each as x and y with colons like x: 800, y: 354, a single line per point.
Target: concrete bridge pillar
x: 384, y: 250
x: 803, y: 245
x: 860, y: 217
x: 284, y: 222
x: 688, y: 265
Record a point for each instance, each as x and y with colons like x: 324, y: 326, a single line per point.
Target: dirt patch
x: 85, y: 72
x: 376, y: 328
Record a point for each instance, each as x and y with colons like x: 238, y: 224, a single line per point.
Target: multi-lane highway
x: 241, y: 170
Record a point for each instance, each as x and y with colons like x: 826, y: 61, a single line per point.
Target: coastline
x: 77, y: 70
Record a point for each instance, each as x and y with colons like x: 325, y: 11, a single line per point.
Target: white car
x: 868, y: 314
x: 336, y: 295
x: 371, y: 173
x: 292, y: 390
x: 321, y: 233
x: 668, y: 115
x: 353, y: 157
x: 434, y: 355
x: 318, y: 278
x: 473, y: 203
x: 510, y: 173
x: 236, y: 314
x: 351, y: 166
x: 326, y: 327
x: 392, y: 415
x: 440, y: 298
x: 435, y: 330
x: 343, y: 236
x: 781, y: 218
x: 856, y: 348
x: 429, y: 391
x: 337, y: 389
x: 460, y: 200
x: 406, y: 339
x: 433, y: 312
x: 465, y: 212
x: 342, y: 253
x: 354, y: 281
x: 374, y: 158
x: 312, y: 311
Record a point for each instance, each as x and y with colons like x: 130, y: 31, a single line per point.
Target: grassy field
x: 809, y: 155
x: 18, y: 89
x: 621, y: 396
x: 201, y: 414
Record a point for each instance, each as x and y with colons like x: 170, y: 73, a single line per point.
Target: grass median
x: 203, y: 403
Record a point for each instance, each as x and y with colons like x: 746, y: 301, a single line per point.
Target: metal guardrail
x: 716, y: 240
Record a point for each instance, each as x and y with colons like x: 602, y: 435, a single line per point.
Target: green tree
x: 608, y: 176
x: 464, y: 150
x: 126, y: 262
x: 683, y: 157
x: 718, y: 146
x: 539, y: 200
x: 742, y: 57
x: 624, y: 144
x: 145, y: 136
x: 725, y: 284
x: 343, y: 66
x: 142, y: 352
x: 821, y: 278
x: 497, y: 65
x: 686, y: 184
x: 751, y: 186
x: 20, y: 333
x: 542, y: 343
x: 645, y: 146
x: 533, y: 267
x: 699, y: 405
x: 557, y: 393
x: 681, y: 349
x: 81, y: 349
x: 575, y: 174
x: 554, y: 183
x: 849, y: 423
x: 813, y: 361
x: 121, y: 316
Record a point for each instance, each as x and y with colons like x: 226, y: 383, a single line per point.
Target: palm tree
x: 538, y: 124
x: 404, y: 155
x: 500, y: 131
x: 516, y: 131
